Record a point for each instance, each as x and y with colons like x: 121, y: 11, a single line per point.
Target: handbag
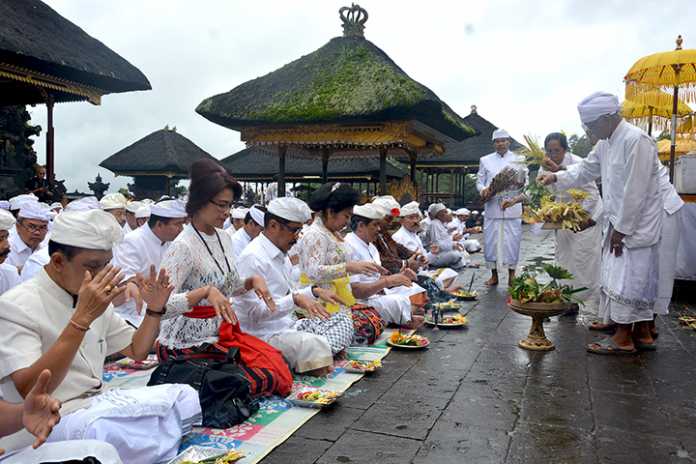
x: 223, y: 389
x: 367, y: 324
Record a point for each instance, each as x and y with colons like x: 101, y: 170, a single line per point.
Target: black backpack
x: 223, y: 390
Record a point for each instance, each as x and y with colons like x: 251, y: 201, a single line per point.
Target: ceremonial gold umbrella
x: 656, y: 107
x: 675, y: 70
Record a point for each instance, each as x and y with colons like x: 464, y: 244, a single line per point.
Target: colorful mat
x: 277, y: 418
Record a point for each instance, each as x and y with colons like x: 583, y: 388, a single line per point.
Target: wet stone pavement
x: 475, y: 397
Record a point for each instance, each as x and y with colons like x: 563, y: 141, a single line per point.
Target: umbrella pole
x: 673, y: 130
x: 282, y: 150
x: 650, y: 122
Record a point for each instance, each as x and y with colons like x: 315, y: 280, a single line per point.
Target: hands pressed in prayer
x: 485, y: 194
x: 328, y: 296
x: 434, y: 249
x: 96, y: 293
x: 222, y: 305
x: 313, y: 307
x: 547, y: 179
x: 616, y: 243
x: 155, y: 289
x: 508, y: 203
x: 365, y: 267
x: 258, y: 284
x: 41, y: 411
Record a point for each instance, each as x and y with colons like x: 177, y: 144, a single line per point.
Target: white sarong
x: 580, y: 253
x: 303, y: 351
x: 392, y: 308
x: 669, y: 244
x: 144, y: 424
x: 628, y: 284
x: 510, y: 247
x: 60, y: 451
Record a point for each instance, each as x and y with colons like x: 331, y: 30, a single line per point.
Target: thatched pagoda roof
x: 163, y: 153
x: 347, y: 81
x: 41, y: 48
x: 255, y: 164
x: 467, y: 152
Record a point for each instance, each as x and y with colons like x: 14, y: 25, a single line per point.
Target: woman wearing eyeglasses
x: 579, y: 252
x: 202, y: 270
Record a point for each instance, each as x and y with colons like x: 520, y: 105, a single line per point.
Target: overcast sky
x: 524, y: 64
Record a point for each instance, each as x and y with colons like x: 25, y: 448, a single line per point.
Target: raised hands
x: 41, y: 411
x: 96, y: 293
x: 155, y: 289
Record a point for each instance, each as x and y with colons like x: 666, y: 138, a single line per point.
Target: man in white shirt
x: 461, y: 217
x: 62, y: 320
x: 253, y: 225
x: 308, y: 344
x: 9, y: 277
x: 131, y: 222
x: 578, y: 252
x: 633, y: 212
x: 145, y: 247
x: 388, y: 294
x: 29, y: 233
x: 407, y: 235
x: 502, y: 231
x: 115, y: 204
x: 445, y: 248
x: 237, y: 217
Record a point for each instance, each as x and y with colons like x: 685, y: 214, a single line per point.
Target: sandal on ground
x: 492, y: 282
x: 642, y: 346
x: 608, y: 347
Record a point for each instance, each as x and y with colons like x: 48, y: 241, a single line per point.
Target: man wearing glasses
x: 29, y: 234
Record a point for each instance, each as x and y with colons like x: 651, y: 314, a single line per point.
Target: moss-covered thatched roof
x: 164, y: 152
x: 257, y: 164
x: 35, y: 37
x: 348, y: 80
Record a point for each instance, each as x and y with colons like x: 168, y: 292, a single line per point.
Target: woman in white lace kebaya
x: 323, y: 253
x: 200, y: 266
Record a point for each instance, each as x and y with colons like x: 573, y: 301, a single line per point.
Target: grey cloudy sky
x: 524, y: 64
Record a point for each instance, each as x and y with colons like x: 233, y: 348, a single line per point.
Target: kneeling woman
x: 199, y: 262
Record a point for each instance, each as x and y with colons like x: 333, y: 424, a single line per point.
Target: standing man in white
x: 502, y: 230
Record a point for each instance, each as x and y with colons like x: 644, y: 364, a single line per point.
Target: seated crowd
x: 196, y: 280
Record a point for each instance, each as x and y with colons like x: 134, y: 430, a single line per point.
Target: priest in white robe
x: 308, y: 344
x: 578, y: 252
x: 502, y: 230
x: 253, y: 225
x: 145, y: 247
x: 407, y: 235
x: 115, y: 204
x: 390, y: 294
x: 9, y: 277
x: 62, y: 320
x: 633, y: 212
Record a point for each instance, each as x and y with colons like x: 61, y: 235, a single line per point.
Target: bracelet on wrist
x: 158, y: 314
x: 77, y: 326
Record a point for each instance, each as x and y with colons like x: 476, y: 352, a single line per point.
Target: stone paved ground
x: 475, y: 397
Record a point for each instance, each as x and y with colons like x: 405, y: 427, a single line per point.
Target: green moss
x: 352, y: 82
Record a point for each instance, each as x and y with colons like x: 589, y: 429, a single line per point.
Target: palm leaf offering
x: 535, y: 192
x: 533, y: 153
x: 568, y: 215
x: 525, y: 287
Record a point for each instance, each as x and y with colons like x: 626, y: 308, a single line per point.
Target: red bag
x: 266, y: 368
